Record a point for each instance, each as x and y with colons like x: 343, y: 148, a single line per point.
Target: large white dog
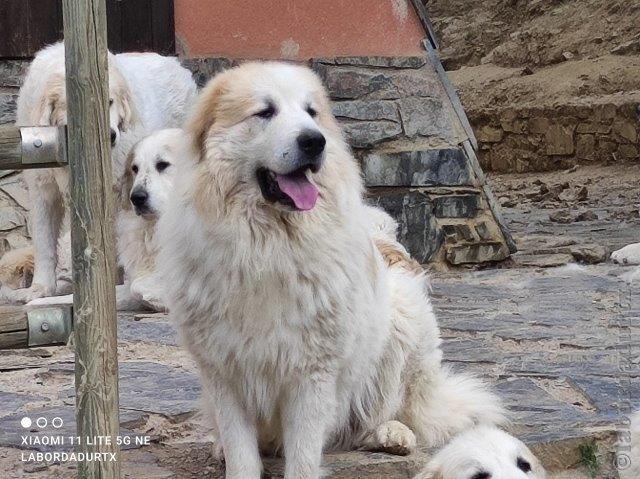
x: 147, y: 92
x: 306, y: 336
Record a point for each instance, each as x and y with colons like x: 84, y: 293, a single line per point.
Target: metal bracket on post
x: 42, y: 146
x: 49, y: 326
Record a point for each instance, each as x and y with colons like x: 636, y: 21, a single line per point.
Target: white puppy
x: 146, y: 188
x: 146, y: 92
x: 306, y: 336
x: 484, y: 453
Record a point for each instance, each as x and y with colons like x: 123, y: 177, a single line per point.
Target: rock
x: 631, y: 47
x: 489, y: 134
x: 418, y: 230
x: 424, y: 117
x: 7, y: 107
x: 626, y: 130
x: 11, y: 218
x: 588, y: 215
x: 204, y: 69
x: 366, y: 134
x: 456, y: 206
x: 561, y: 216
x: 476, y: 253
x: 12, y: 72
x: 590, y: 254
x: 567, y: 56
x: 559, y: 140
x: 442, y: 167
x: 543, y: 261
x: 366, y: 110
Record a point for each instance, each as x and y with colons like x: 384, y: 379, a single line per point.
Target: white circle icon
x: 41, y: 422
x: 57, y: 422
x: 25, y: 422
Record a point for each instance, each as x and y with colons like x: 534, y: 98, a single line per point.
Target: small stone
x: 36, y: 467
x: 588, y: 215
x: 628, y: 48
x: 590, y: 254
x: 561, y: 216
x: 567, y: 55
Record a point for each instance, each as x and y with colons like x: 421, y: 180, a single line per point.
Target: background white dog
x: 146, y: 92
x: 146, y: 188
x: 484, y: 453
x: 305, y: 335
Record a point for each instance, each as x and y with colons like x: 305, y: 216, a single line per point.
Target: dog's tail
x: 16, y: 267
x: 443, y: 404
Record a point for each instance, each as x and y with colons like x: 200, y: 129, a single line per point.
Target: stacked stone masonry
x: 547, y: 138
x: 401, y: 126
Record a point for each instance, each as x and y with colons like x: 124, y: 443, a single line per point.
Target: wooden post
x: 92, y: 236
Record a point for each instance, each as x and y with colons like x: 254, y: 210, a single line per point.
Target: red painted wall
x: 297, y: 29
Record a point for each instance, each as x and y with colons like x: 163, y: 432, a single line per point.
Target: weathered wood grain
x: 92, y: 236
x: 13, y: 340
x: 12, y: 318
x: 10, y: 148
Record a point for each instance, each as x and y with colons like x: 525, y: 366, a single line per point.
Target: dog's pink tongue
x: 297, y: 187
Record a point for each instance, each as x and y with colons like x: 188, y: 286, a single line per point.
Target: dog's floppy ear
x: 125, y: 183
x: 52, y: 103
x: 126, y: 110
x: 204, y: 113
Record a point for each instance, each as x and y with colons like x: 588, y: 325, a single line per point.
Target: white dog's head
x: 53, y: 109
x: 268, y: 132
x: 484, y: 453
x: 151, y: 168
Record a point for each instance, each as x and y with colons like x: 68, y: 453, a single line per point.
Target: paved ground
x: 561, y: 344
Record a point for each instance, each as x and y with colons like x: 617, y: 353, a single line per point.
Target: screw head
x: 37, y: 143
x: 45, y: 326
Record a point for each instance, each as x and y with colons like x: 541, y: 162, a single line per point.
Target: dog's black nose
x: 139, y: 197
x: 114, y: 137
x: 311, y: 143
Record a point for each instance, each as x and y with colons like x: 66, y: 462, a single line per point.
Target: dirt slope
x: 539, y: 59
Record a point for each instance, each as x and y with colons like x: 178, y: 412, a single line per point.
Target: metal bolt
x: 37, y: 143
x: 45, y: 326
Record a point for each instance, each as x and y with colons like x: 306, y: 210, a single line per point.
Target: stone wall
x: 403, y: 129
x: 546, y: 138
x: 14, y: 197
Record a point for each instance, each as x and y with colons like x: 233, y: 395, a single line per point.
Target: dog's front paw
x: 628, y: 255
x: 392, y: 437
x: 26, y: 295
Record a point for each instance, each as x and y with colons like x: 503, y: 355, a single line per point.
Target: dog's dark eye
x: 312, y: 112
x: 523, y: 465
x: 110, y: 101
x: 268, y: 112
x: 481, y: 475
x: 161, y: 166
x: 134, y: 168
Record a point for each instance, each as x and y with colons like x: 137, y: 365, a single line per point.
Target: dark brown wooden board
x: 132, y: 25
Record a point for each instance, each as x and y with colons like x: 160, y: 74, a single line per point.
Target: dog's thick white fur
x: 147, y: 92
x: 484, y: 452
x: 306, y: 336
x: 149, y: 173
